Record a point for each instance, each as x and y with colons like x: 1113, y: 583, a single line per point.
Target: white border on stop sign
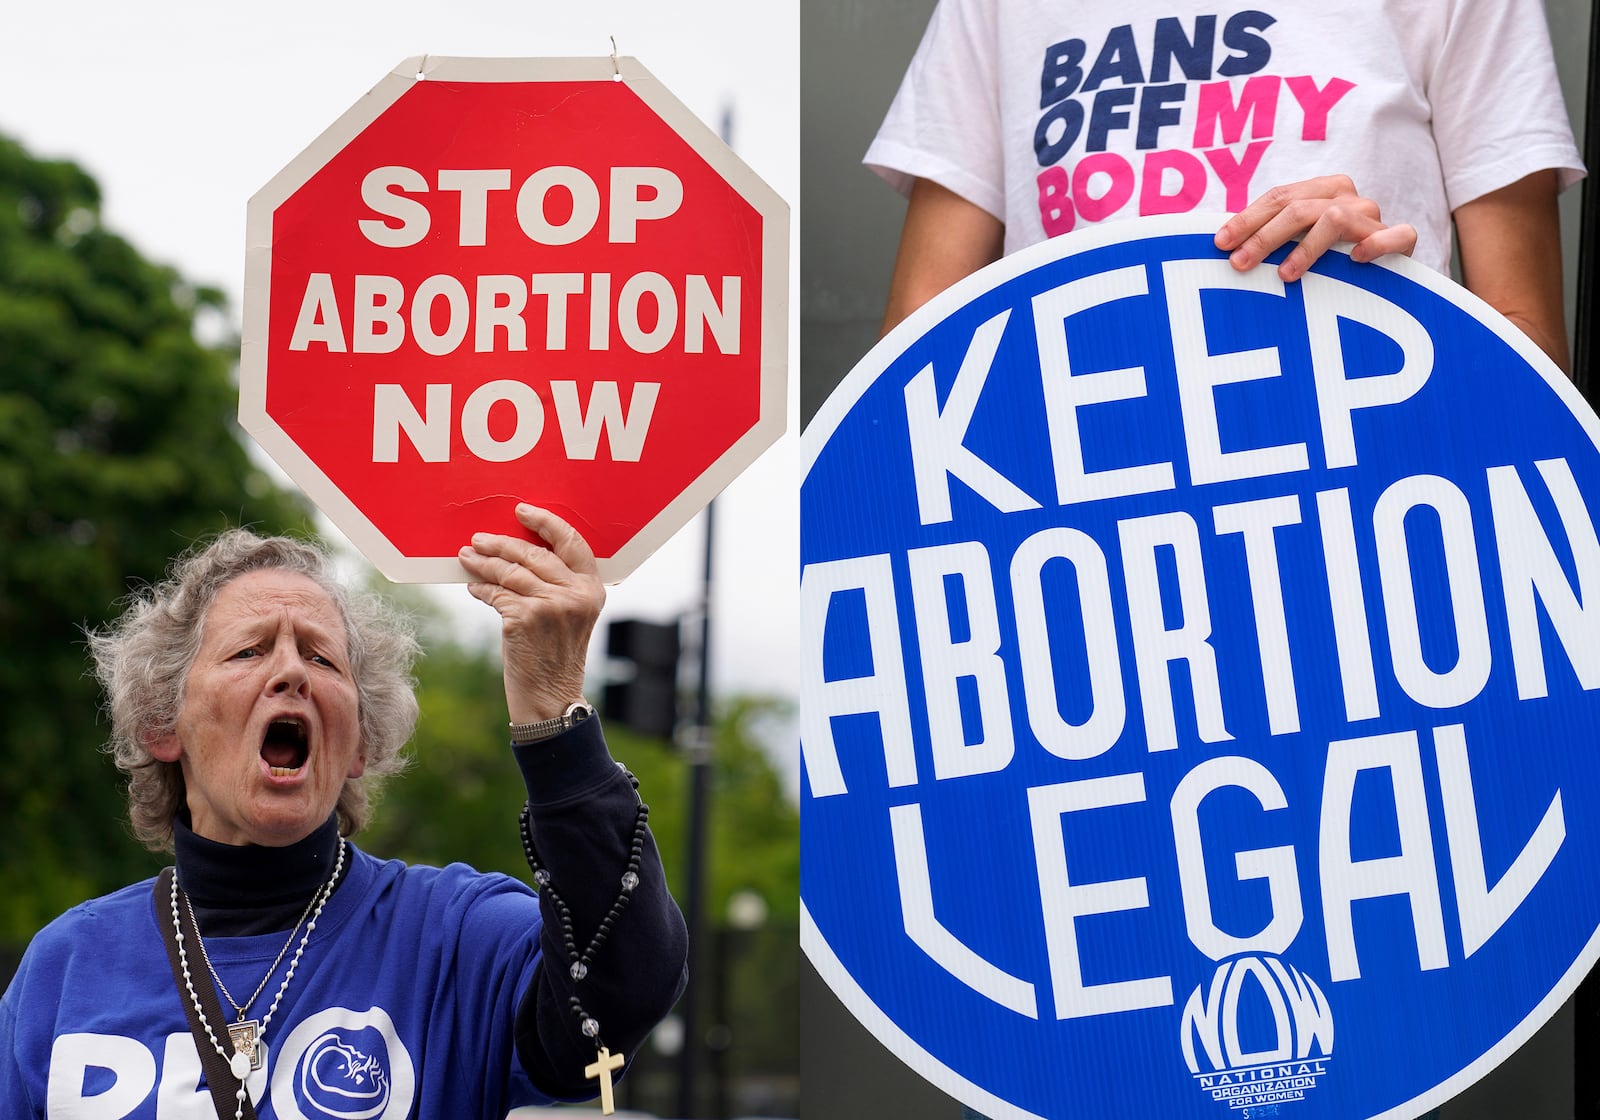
x: 327, y: 496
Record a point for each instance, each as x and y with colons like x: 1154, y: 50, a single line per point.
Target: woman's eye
x: 251, y: 652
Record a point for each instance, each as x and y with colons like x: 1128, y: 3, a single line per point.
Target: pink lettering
x: 1055, y: 208
x: 1118, y: 191
x: 1235, y: 172
x: 1191, y: 185
x: 1315, y: 103
x: 1257, y: 106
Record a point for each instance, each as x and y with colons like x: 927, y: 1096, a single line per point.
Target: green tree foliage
x: 117, y: 449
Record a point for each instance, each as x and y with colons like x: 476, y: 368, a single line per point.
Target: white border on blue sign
x: 814, y: 439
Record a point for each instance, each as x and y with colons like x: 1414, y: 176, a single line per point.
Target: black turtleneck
x: 242, y: 889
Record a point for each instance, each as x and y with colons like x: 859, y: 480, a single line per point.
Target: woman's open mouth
x: 284, y: 746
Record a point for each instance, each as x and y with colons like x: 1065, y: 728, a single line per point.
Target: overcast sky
x: 182, y: 110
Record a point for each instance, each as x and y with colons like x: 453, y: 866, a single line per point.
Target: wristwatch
x: 576, y: 713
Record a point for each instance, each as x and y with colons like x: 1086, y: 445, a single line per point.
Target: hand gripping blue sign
x: 1199, y: 685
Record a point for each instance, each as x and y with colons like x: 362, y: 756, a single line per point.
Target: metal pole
x: 700, y: 759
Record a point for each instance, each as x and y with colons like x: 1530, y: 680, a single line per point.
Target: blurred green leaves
x: 118, y: 448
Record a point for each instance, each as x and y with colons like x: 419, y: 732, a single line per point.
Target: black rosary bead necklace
x: 580, y: 963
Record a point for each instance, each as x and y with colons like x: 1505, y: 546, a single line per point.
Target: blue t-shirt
x: 386, y: 1016
x: 418, y: 990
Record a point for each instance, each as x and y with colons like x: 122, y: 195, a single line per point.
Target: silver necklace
x: 248, y: 1038
x: 239, y: 1010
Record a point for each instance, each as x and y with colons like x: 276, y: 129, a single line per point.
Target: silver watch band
x: 576, y: 713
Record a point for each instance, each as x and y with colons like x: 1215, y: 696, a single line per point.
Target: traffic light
x: 645, y: 699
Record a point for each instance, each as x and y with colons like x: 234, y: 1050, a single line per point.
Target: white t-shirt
x: 1052, y: 115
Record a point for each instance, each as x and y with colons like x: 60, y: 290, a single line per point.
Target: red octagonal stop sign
x: 496, y: 280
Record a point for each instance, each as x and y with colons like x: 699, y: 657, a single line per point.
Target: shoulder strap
x: 219, y: 1078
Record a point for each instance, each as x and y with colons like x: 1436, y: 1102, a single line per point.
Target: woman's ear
x: 163, y: 746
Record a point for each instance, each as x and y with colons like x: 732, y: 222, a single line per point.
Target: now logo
x: 1257, y: 1010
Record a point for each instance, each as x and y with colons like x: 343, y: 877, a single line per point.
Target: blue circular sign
x: 1199, y: 682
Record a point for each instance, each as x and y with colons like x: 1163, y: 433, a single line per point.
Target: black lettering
x: 1061, y: 73
x: 1159, y: 105
x: 1070, y: 114
x: 1109, y: 112
x: 1193, y: 56
x: 1119, y: 59
x: 1251, y: 51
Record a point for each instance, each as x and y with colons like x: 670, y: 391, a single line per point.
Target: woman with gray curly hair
x: 255, y: 703
x: 143, y: 658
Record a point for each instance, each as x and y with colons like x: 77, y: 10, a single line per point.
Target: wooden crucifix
x: 601, y: 1068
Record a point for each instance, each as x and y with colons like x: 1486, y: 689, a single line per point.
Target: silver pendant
x: 246, y: 1039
